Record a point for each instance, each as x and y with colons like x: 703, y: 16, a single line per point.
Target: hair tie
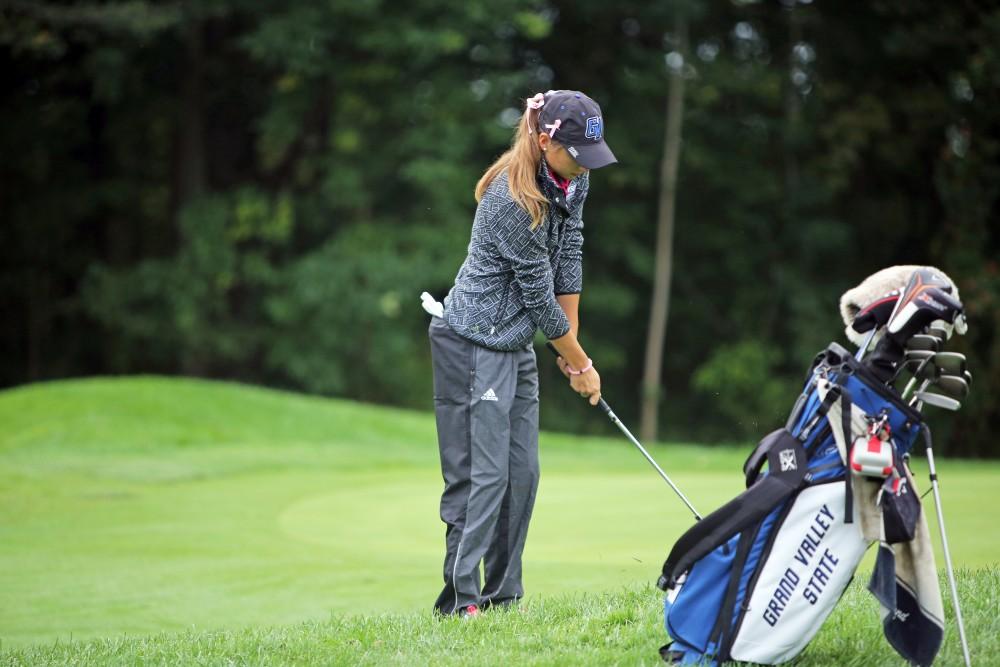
x: 536, y: 102
x: 532, y: 103
x: 553, y: 127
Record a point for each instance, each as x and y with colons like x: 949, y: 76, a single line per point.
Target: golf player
x: 523, y: 273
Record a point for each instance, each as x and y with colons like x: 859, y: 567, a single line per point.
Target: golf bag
x: 755, y: 580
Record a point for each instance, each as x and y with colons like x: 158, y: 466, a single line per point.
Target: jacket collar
x: 552, y: 192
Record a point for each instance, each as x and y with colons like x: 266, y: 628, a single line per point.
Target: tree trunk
x: 660, y: 304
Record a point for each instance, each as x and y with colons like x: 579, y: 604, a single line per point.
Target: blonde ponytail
x: 521, y: 162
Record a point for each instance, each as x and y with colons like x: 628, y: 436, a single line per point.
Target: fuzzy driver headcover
x: 879, y: 290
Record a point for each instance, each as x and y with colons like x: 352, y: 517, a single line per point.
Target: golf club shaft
x: 621, y: 427
x: 859, y: 355
x: 913, y: 380
x: 944, y: 548
x: 910, y: 384
x: 916, y: 376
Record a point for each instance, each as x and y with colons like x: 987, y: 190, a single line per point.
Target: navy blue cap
x: 575, y: 121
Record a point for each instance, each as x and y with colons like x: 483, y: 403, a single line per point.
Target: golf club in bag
x: 756, y: 579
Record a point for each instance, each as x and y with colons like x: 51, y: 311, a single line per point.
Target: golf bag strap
x: 787, y: 465
x: 755, y: 462
x: 845, y: 425
x: 809, y: 383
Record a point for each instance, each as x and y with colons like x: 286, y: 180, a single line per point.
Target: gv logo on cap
x: 594, y: 128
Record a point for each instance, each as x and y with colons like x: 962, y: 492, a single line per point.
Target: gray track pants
x: 486, y: 403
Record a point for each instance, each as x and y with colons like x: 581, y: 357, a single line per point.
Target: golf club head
x: 952, y: 385
x: 926, y: 299
x: 923, y: 342
x: 919, y: 356
x: 939, y: 331
x: 928, y: 372
x: 877, y: 313
x: 937, y: 400
x: 950, y: 363
x: 967, y: 376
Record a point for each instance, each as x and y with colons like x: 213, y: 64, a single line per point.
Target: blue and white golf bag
x: 755, y: 580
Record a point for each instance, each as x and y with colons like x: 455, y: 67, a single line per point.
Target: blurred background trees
x: 259, y: 190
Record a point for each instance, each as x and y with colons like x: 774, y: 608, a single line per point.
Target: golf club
x: 915, y: 362
x: 434, y: 308
x: 602, y: 404
x: 936, y: 400
x: 863, y: 348
x: 923, y: 342
x: 920, y: 281
x: 926, y: 300
x: 952, y: 385
x: 939, y: 331
x: 928, y: 449
x: 431, y: 305
x: 950, y: 363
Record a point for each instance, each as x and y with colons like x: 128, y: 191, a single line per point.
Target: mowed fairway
x: 141, y: 505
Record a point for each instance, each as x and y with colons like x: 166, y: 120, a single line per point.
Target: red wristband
x: 590, y: 364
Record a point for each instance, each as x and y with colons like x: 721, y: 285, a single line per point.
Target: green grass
x: 165, y: 521
x: 621, y: 628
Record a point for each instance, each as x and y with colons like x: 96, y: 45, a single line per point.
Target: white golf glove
x: 431, y: 305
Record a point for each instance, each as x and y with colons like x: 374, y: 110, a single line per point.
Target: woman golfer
x: 523, y: 273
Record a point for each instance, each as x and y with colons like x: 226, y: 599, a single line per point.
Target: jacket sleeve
x: 569, y: 272
x: 525, y: 249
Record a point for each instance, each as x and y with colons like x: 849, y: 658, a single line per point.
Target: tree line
x: 260, y: 190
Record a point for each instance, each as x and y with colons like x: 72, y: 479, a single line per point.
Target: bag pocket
x: 900, y: 506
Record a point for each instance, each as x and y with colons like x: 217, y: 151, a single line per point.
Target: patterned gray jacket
x: 506, y: 288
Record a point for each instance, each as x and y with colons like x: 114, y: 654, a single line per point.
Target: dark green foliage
x: 259, y: 190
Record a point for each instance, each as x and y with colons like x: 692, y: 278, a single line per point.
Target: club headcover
x: 871, y: 303
x: 875, y: 314
x: 923, y: 303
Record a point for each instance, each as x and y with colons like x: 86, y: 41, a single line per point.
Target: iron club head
x: 950, y: 363
x: 939, y: 331
x: 952, y: 385
x: 919, y: 355
x: 937, y: 400
x: 917, y: 362
x: 923, y: 342
x: 923, y: 368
